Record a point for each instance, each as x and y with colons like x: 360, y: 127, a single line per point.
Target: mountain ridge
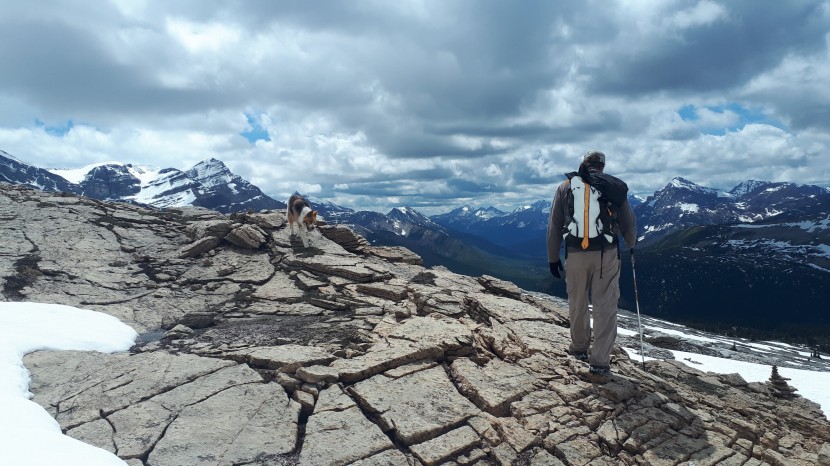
x: 765, y: 224
x: 209, y: 184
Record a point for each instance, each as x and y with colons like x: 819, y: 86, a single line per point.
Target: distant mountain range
x: 683, y: 204
x: 757, y: 255
x: 209, y: 184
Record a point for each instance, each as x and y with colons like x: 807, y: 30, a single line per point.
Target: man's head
x: 594, y: 159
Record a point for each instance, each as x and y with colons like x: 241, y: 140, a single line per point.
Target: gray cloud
x: 429, y: 103
x: 716, y: 56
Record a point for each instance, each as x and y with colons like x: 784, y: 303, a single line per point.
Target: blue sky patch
x: 255, y: 131
x: 59, y: 130
x: 744, y: 115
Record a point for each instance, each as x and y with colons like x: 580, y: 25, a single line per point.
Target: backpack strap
x: 585, y: 224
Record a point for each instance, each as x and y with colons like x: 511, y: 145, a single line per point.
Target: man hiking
x: 590, y: 209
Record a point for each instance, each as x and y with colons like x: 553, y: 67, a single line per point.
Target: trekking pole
x: 637, y: 301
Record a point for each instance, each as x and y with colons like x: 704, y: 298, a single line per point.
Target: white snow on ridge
x: 685, y: 335
x: 76, y: 175
x: 28, y: 434
x: 144, y: 173
x: 153, y: 195
x: 652, y: 228
x: 820, y: 250
x: 807, y: 226
x: 688, y: 207
x: 810, y: 384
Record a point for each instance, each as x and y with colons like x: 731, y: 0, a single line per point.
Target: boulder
x: 208, y: 228
x: 247, y: 236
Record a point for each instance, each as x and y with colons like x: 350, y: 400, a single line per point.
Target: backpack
x: 592, y: 208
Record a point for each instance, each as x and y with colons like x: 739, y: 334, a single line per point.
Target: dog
x: 299, y: 212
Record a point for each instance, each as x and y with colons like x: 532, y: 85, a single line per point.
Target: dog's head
x: 310, y: 220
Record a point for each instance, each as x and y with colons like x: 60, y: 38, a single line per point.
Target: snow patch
x: 782, y: 247
x: 76, y: 175
x: 28, y: 434
x: 688, y: 207
x: 810, y: 384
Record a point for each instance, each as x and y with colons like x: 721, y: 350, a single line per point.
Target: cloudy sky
x: 431, y: 104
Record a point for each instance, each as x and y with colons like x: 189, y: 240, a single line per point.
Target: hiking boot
x: 581, y: 355
x: 602, y: 371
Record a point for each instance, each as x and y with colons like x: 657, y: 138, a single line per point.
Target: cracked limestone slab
x: 540, y: 337
x: 236, y: 265
x: 494, y: 386
x: 446, y: 446
x: 342, y: 266
x: 97, y: 433
x: 385, y: 458
x: 486, y: 306
x: 381, y: 358
x: 340, y: 437
x: 139, y: 426
x: 390, y: 291
x: 447, y: 333
x: 284, y: 358
x: 84, y: 383
x: 333, y: 398
x: 417, y: 407
x: 235, y: 426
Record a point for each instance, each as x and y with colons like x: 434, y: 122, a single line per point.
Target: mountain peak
x: 684, y: 184
x: 680, y: 182
x: 410, y: 215
x: 747, y: 187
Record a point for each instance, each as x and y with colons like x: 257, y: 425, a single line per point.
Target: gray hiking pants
x: 582, y: 273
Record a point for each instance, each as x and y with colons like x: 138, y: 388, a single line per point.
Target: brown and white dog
x: 300, y: 212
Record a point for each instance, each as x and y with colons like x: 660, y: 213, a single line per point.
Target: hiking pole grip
x: 637, y: 302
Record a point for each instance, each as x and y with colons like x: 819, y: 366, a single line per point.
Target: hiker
x: 592, y: 255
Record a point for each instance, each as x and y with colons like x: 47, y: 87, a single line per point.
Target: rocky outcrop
x: 269, y: 353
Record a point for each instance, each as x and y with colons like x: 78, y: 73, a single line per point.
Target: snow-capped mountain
x: 405, y: 216
x: 329, y: 211
x: 679, y: 205
x: 460, y: 218
x: 220, y: 189
x: 208, y: 184
x: 683, y: 204
x: 13, y: 170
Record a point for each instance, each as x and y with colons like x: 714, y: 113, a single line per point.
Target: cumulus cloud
x: 426, y: 103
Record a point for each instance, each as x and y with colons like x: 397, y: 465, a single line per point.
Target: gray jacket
x: 625, y: 219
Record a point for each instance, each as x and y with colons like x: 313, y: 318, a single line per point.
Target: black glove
x: 555, y: 267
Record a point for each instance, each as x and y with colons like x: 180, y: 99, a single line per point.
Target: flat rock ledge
x: 258, y: 351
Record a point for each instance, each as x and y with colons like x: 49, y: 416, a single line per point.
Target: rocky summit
x: 257, y: 351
